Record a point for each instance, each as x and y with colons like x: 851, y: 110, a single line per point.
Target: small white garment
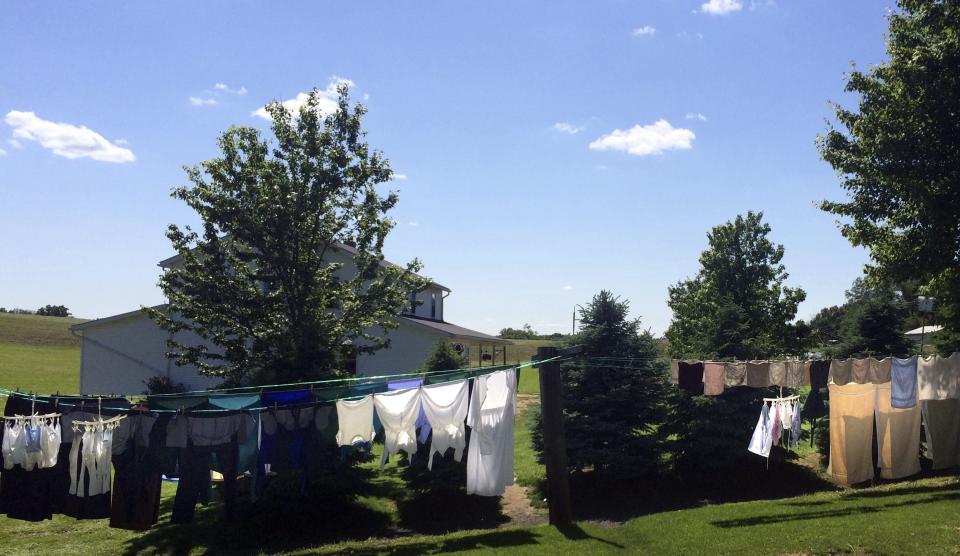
x: 446, y: 408
x: 491, y: 420
x: 938, y: 378
x: 398, y: 412
x: 355, y: 418
x: 90, y: 453
x: 762, y: 441
x: 50, y: 443
x: 14, y: 444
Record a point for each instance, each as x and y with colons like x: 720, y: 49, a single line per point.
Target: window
x: 433, y: 305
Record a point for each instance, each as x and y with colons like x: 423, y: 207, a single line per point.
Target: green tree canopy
x: 898, y: 156
x: 286, y: 277
x: 737, y: 305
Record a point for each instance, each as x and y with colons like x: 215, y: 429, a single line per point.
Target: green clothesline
x: 329, y: 383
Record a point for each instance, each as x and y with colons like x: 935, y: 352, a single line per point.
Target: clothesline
x: 374, y: 380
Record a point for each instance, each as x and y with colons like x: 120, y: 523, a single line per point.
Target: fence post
x: 554, y: 441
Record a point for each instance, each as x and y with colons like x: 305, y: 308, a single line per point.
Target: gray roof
x: 165, y: 263
x: 453, y: 331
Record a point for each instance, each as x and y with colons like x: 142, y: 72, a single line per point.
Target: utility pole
x: 554, y: 441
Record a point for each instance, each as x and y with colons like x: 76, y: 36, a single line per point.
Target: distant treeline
x: 527, y: 333
x: 45, y: 311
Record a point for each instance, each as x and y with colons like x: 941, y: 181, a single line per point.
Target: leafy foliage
x: 287, y: 279
x: 898, y: 156
x: 612, y: 410
x: 525, y: 333
x: 54, y: 311
x: 737, y: 305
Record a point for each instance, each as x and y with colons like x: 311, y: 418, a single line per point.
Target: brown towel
x: 778, y: 373
x: 851, y: 432
x: 878, y: 370
x: 691, y: 376
x: 713, y: 377
x: 758, y: 374
x: 736, y: 373
x: 794, y: 374
x: 898, y: 437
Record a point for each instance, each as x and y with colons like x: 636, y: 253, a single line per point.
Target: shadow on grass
x: 343, y: 503
x: 596, y: 497
x: 932, y: 496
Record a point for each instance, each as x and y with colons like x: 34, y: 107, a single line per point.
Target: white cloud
x: 197, y: 101
x: 721, y: 7
x: 645, y: 31
x: 696, y: 116
x: 759, y: 4
x: 413, y: 224
x: 15, y: 144
x: 567, y: 288
x: 3, y: 152
x: 327, y: 99
x: 566, y: 127
x: 399, y: 177
x: 643, y: 140
x: 223, y: 87
x: 66, y: 140
x: 121, y: 141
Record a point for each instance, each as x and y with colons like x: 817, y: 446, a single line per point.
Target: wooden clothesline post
x: 554, y: 440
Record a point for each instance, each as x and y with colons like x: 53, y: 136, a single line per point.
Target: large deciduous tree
x: 285, y: 279
x: 736, y: 306
x: 898, y: 156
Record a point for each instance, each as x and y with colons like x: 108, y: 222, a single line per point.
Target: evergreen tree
x: 612, y: 410
x: 444, y: 358
x: 264, y: 284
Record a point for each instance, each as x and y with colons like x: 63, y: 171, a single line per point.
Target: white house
x: 119, y: 354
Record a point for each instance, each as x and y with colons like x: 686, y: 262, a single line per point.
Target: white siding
x: 118, y: 357
x: 410, y: 345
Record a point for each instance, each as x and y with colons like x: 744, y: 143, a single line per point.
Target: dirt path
x: 515, y: 504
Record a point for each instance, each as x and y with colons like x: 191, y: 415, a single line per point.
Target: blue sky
x: 549, y: 149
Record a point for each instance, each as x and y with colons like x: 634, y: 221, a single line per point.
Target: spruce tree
x: 612, y: 409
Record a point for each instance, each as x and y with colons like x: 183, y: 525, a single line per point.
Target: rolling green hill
x: 38, y: 354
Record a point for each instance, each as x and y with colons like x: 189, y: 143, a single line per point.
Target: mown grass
x: 35, y: 330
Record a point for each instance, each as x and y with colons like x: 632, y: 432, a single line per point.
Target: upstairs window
x: 413, y: 303
x: 433, y: 305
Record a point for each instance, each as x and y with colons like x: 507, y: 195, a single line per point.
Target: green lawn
x: 38, y: 331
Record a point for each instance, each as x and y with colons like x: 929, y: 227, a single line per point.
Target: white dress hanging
x: 491, y: 420
x: 446, y: 408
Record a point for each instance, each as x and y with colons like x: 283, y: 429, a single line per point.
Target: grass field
x: 368, y: 511
x: 38, y: 354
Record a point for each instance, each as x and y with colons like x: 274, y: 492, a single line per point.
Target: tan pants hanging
x: 898, y: 437
x: 851, y: 432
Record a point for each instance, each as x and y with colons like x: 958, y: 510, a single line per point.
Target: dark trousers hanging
x: 195, y: 479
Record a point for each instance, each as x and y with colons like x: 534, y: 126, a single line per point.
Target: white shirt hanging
x: 491, y: 420
x: 398, y: 412
x: 355, y: 418
x: 446, y: 408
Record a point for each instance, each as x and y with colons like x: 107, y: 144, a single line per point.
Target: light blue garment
x: 795, y: 426
x: 903, y: 382
x: 762, y: 441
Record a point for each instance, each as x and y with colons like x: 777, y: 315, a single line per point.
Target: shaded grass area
x: 35, y: 330
x: 907, y: 518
